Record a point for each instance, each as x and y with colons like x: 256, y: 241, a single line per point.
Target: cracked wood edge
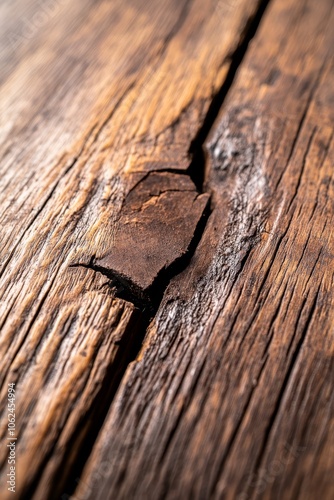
x: 232, y: 394
x: 88, y: 109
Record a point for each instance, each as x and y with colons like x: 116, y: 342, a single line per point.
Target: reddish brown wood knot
x: 157, y: 226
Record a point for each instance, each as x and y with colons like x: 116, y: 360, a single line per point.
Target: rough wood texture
x: 232, y: 394
x: 95, y: 97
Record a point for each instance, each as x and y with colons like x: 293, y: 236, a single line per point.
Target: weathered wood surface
x: 96, y: 99
x: 232, y: 394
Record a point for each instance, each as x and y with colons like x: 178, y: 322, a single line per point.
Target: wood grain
x: 232, y: 394
x: 95, y: 98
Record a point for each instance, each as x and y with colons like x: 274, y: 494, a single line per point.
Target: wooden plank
x: 96, y: 99
x: 232, y: 394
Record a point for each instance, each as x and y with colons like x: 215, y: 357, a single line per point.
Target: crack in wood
x: 140, y: 273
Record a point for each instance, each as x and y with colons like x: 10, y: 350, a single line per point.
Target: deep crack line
x: 125, y: 288
x: 197, y: 150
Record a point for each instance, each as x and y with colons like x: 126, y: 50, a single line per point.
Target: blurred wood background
x: 166, y: 250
